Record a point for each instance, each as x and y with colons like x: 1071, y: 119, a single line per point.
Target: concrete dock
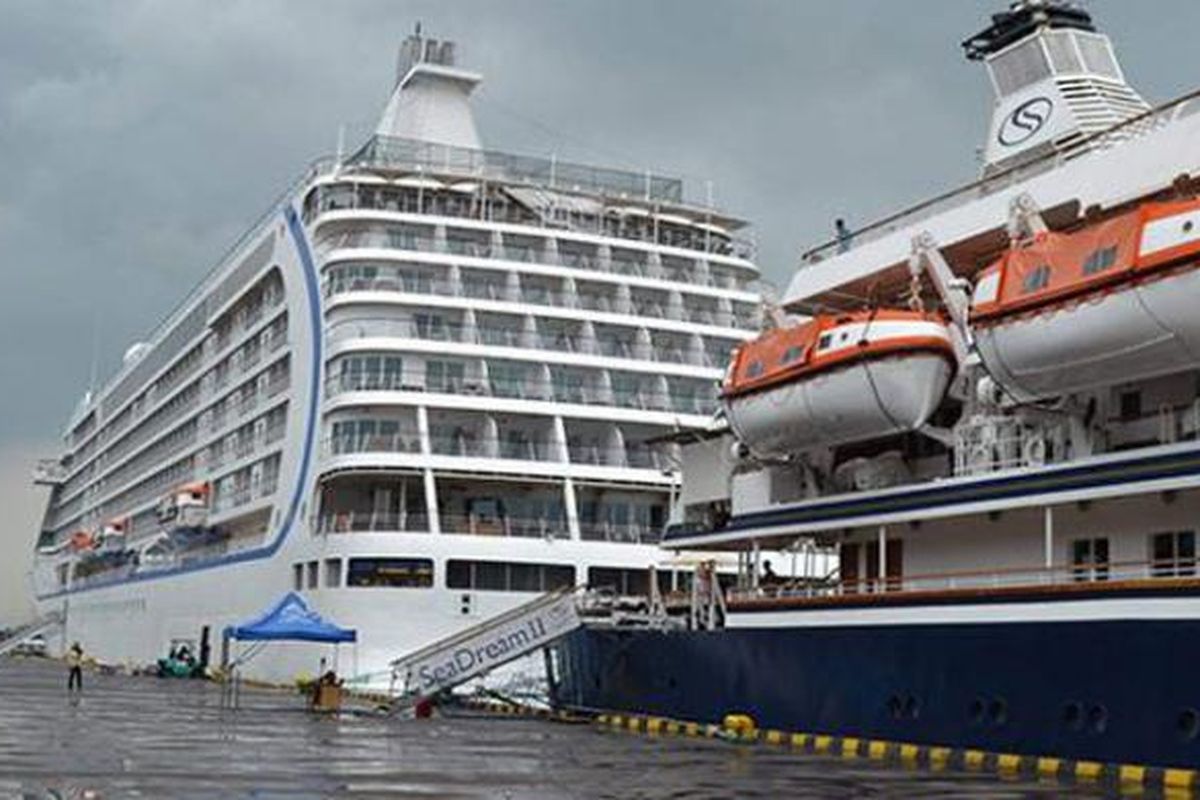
x: 151, y: 738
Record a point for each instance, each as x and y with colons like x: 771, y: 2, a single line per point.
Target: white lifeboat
x: 1111, y: 302
x: 838, y: 379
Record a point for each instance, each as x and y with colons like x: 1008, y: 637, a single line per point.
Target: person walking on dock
x: 75, y: 668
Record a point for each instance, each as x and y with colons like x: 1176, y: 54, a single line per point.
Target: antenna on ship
x: 1055, y: 78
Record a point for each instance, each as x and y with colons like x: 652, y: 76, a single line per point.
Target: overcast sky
x: 138, y: 139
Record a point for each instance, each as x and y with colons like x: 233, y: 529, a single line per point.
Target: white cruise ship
x: 432, y: 380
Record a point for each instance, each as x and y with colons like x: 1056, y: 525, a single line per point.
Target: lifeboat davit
x: 838, y: 379
x: 1112, y: 302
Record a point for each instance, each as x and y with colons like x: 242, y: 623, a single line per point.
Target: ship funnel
x: 1055, y: 78
x: 430, y: 101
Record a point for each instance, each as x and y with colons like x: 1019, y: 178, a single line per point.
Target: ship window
x: 1100, y: 260
x: 297, y: 576
x: 621, y: 581
x: 333, y: 573
x: 312, y: 574
x: 793, y: 353
x: 1089, y: 559
x: 824, y: 341
x: 401, y: 573
x: 1020, y: 66
x: 1131, y: 406
x: 503, y: 576
x: 1036, y: 279
x: 754, y: 370
x: 1173, y: 554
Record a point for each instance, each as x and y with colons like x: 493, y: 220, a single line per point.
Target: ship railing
x: 381, y: 236
x: 1133, y: 128
x: 530, y: 527
x: 1095, y: 574
x: 619, y: 532
x: 699, y: 245
x: 370, y: 521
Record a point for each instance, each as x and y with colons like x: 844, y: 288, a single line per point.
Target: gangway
x: 492, y: 643
x: 23, y: 634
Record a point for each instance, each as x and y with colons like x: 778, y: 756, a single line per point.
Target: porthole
x: 998, y: 711
x: 1187, y: 226
x: 754, y: 370
x: 1072, y: 716
x: 1188, y: 724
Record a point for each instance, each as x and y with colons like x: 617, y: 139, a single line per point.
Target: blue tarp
x: 290, y: 620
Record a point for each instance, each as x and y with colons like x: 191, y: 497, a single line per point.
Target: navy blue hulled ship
x: 989, y: 425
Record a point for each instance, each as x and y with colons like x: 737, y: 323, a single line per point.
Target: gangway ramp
x: 23, y: 634
x: 470, y: 653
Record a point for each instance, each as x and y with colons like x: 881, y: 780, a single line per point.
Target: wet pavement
x: 149, y: 738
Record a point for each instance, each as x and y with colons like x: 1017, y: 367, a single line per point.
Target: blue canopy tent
x: 289, y: 620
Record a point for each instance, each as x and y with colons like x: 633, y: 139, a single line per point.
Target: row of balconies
x: 575, y: 255
x: 546, y: 383
x: 674, y: 305
x: 583, y: 339
x: 153, y: 418
x: 513, y: 437
x: 499, y: 208
x: 212, y: 420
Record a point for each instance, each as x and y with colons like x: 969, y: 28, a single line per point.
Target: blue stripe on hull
x: 1107, y: 691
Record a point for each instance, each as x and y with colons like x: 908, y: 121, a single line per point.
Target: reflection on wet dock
x: 152, y: 738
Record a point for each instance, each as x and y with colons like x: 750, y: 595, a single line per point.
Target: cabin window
x: 1100, y: 260
x: 620, y: 581
x: 1131, y: 406
x: 824, y: 341
x: 297, y: 576
x: 502, y: 576
x: 1089, y: 559
x: 312, y: 574
x: 793, y: 353
x: 1173, y: 554
x: 398, y: 573
x: 333, y: 573
x: 754, y: 370
x: 1036, y: 279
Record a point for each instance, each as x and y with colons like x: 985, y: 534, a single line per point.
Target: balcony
x: 398, y: 442
x: 372, y: 521
x: 623, y: 533
x: 533, y: 527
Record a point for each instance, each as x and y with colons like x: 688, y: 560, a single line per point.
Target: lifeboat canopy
x: 838, y: 379
x: 1113, y: 301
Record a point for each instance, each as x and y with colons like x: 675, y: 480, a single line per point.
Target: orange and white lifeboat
x: 838, y: 379
x: 1111, y: 302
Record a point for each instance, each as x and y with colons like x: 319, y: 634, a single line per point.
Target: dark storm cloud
x: 137, y: 139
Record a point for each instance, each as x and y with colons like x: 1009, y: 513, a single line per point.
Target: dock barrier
x: 1126, y: 777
